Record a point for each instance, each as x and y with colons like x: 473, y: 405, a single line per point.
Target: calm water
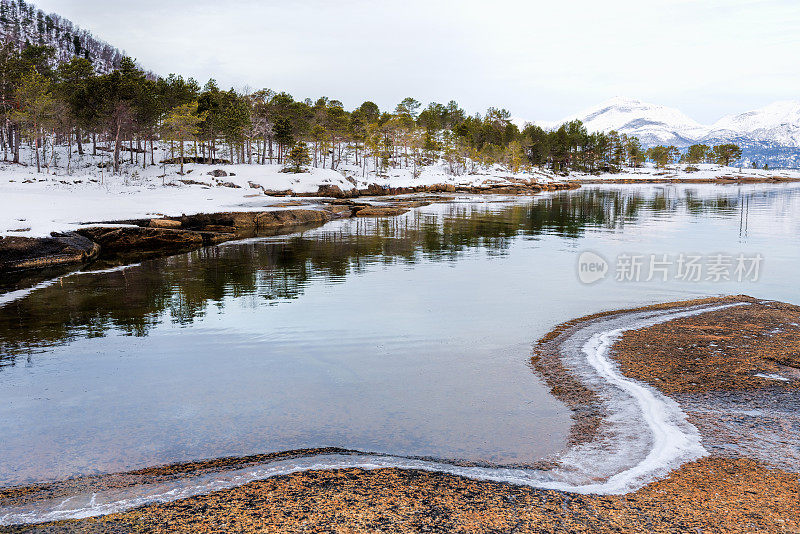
x: 408, y: 336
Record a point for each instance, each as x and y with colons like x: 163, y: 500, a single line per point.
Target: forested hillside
x: 22, y: 24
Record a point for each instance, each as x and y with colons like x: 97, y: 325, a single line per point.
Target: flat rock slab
x: 142, y: 239
x: 19, y: 253
x: 253, y: 220
x: 380, y: 211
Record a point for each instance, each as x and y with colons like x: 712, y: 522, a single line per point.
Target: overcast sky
x: 541, y: 60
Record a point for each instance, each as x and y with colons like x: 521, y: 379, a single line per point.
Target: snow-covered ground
x: 705, y: 171
x: 35, y: 205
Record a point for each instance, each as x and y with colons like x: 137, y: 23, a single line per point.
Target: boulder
x: 442, y: 188
x: 330, y: 190
x: 218, y: 173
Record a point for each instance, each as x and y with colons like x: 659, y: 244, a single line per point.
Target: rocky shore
x: 132, y: 240
x: 668, y: 179
x: 748, y: 483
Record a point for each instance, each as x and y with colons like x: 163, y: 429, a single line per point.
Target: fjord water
x: 409, y: 336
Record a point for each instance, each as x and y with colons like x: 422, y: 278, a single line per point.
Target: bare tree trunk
x: 53, y: 162
x: 78, y: 138
x: 69, y: 152
x: 15, y: 132
x: 116, y: 149
x: 38, y: 166
x: 44, y: 154
x: 270, y: 149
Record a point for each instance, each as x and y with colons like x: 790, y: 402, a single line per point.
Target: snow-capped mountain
x: 651, y: 123
x: 768, y: 135
x: 777, y: 123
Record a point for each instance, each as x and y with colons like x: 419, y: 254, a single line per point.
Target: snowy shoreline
x: 34, y: 205
x: 647, y: 436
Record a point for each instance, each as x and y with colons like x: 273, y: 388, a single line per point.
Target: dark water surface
x: 408, y: 336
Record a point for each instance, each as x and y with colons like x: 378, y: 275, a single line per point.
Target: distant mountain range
x: 22, y: 23
x: 768, y: 135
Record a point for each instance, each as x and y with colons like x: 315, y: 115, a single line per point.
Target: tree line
x: 126, y: 111
x: 723, y: 154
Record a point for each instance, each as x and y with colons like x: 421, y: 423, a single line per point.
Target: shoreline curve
x: 620, y: 458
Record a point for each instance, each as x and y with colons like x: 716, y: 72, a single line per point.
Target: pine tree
x: 724, y: 154
x: 298, y: 158
x: 182, y: 124
x: 283, y: 135
x: 697, y: 153
x: 36, y: 108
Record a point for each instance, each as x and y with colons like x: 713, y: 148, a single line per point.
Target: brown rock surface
x: 18, y: 253
x: 708, y: 496
x: 254, y: 220
x: 164, y: 223
x: 293, y: 217
x: 719, y: 350
x: 381, y: 211
x: 137, y: 239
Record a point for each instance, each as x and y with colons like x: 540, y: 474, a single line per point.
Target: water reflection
x: 408, y: 335
x: 180, y: 289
